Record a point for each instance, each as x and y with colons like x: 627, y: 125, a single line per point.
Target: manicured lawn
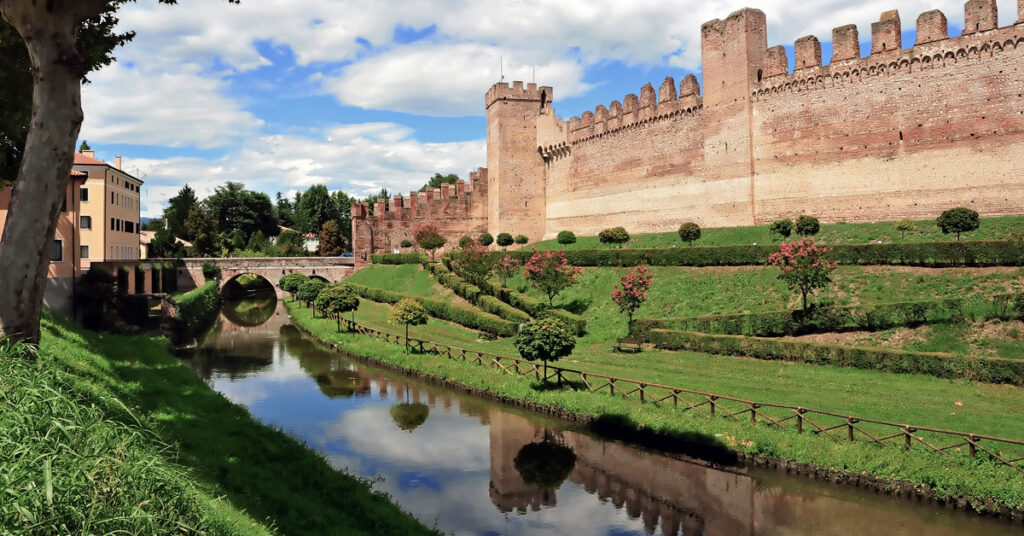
x: 904, y: 398
x: 273, y: 477
x: 834, y: 233
x: 406, y: 278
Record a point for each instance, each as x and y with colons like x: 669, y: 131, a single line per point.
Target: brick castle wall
x: 903, y: 132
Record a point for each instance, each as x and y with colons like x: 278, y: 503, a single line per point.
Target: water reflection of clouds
x: 445, y: 442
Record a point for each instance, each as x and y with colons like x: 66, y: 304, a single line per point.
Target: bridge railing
x: 835, y: 426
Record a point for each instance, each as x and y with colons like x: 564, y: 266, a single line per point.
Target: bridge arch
x: 330, y: 269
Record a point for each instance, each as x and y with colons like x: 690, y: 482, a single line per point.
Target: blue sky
x: 361, y: 95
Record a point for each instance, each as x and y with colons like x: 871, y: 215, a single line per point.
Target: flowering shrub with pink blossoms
x: 804, y: 265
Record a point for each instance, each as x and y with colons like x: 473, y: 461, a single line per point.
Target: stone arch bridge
x: 190, y: 271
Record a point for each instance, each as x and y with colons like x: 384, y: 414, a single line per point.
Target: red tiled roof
x: 82, y: 160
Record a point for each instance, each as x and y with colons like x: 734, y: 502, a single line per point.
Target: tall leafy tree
x: 235, y: 208
x: 343, y: 210
x: 201, y: 226
x: 438, y: 179
x: 178, y: 208
x: 332, y: 243
x: 315, y: 208
x: 285, y: 211
x: 63, y: 40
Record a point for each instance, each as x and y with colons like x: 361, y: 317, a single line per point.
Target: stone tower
x: 515, y: 168
x: 734, y: 53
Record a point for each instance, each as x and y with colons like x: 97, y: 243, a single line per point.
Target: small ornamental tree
x: 631, y: 292
x: 337, y: 298
x: 903, y: 226
x: 506, y: 268
x: 290, y: 283
x: 309, y: 290
x: 614, y: 236
x: 803, y: 265
x: 551, y: 272
x: 522, y: 239
x: 466, y: 241
x: 505, y: 240
x: 566, y: 237
x: 783, y: 228
x: 429, y: 238
x: 486, y: 239
x: 958, y: 220
x: 689, y: 232
x: 807, y: 225
x: 406, y: 244
x: 407, y: 312
x: 546, y: 339
x: 473, y: 263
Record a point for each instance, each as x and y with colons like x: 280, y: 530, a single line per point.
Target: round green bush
x: 566, y: 237
x: 807, y: 225
x: 521, y: 239
x: 486, y: 239
x: 505, y: 240
x: 689, y: 232
x: 614, y: 235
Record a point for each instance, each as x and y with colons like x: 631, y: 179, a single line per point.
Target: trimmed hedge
x: 140, y: 279
x: 932, y: 254
x: 122, y: 281
x: 470, y: 318
x: 514, y: 301
x: 170, y: 278
x: 830, y: 319
x: 198, y: 309
x: 474, y: 295
x: 941, y: 365
x: 398, y: 258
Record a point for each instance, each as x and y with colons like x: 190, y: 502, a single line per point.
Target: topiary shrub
x: 566, y: 237
x: 783, y: 228
x: 406, y: 244
x: 290, y: 283
x: 465, y: 242
x: 486, y: 239
x: 211, y: 272
x: 505, y: 240
x: 689, y: 232
x: 546, y: 339
x: 807, y: 225
x: 958, y: 220
x: 521, y: 239
x: 614, y: 236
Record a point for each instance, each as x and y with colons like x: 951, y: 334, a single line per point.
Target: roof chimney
x: 117, y: 162
x: 90, y: 153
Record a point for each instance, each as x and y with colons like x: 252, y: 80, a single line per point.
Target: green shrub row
x: 398, y: 258
x: 473, y: 294
x: 831, y: 319
x: 941, y: 365
x: 516, y: 300
x: 198, y: 309
x: 932, y: 254
x: 470, y: 318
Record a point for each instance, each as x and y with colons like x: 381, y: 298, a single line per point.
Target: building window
x: 112, y: 252
x: 111, y: 198
x: 113, y: 224
x: 57, y: 251
x: 129, y: 227
x: 83, y: 195
x: 84, y: 252
x: 85, y: 222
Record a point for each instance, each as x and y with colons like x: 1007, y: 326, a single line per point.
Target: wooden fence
x: 835, y: 426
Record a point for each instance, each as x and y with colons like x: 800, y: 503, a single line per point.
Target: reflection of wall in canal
x: 508, y: 490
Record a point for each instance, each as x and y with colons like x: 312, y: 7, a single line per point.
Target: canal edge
x: 898, y: 488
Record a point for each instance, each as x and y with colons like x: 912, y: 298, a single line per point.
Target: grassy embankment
x: 919, y: 398
x: 833, y: 233
x: 100, y: 412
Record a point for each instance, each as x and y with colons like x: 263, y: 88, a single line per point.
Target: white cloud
x: 446, y: 80
x: 174, y: 108
x: 359, y: 159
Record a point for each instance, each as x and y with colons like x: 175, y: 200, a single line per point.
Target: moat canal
x: 469, y: 466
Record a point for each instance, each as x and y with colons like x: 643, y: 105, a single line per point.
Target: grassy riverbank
x: 854, y: 391
x: 997, y: 228
x: 137, y: 442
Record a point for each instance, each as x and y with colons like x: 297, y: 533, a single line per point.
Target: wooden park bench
x: 628, y: 346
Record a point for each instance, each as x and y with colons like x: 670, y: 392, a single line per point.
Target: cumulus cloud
x: 358, y: 159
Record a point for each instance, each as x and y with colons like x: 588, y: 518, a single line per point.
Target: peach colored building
x: 99, y: 221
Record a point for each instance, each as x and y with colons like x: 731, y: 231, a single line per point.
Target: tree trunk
x: 804, y: 293
x: 48, y: 29
x: 407, y: 338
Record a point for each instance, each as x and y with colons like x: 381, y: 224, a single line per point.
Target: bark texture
x: 48, y: 28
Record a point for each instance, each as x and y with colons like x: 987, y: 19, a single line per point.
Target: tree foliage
x: 566, y: 237
x: 614, y: 235
x: 409, y: 416
x: 807, y: 225
x: 505, y: 268
x: 631, y: 292
x: 689, y: 232
x: 486, y: 239
x: 783, y: 228
x: 958, y: 220
x: 235, y: 208
x: 201, y: 226
x: 178, y: 209
x: 165, y: 245
x: 521, y: 239
x: 336, y: 299
x: 545, y: 464
x: 438, y: 179
x: 291, y: 244
x: 332, y: 243
x: 473, y: 262
x: 314, y: 209
x: 903, y: 226
x: 466, y: 241
x: 291, y: 282
x: 545, y: 339
x: 803, y: 265
x: 407, y: 312
x: 505, y: 240
x: 309, y: 290
x: 429, y: 238
x: 551, y: 272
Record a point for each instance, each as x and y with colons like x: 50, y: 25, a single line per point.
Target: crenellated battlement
x: 934, y: 49
x: 517, y: 92
x: 664, y: 104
